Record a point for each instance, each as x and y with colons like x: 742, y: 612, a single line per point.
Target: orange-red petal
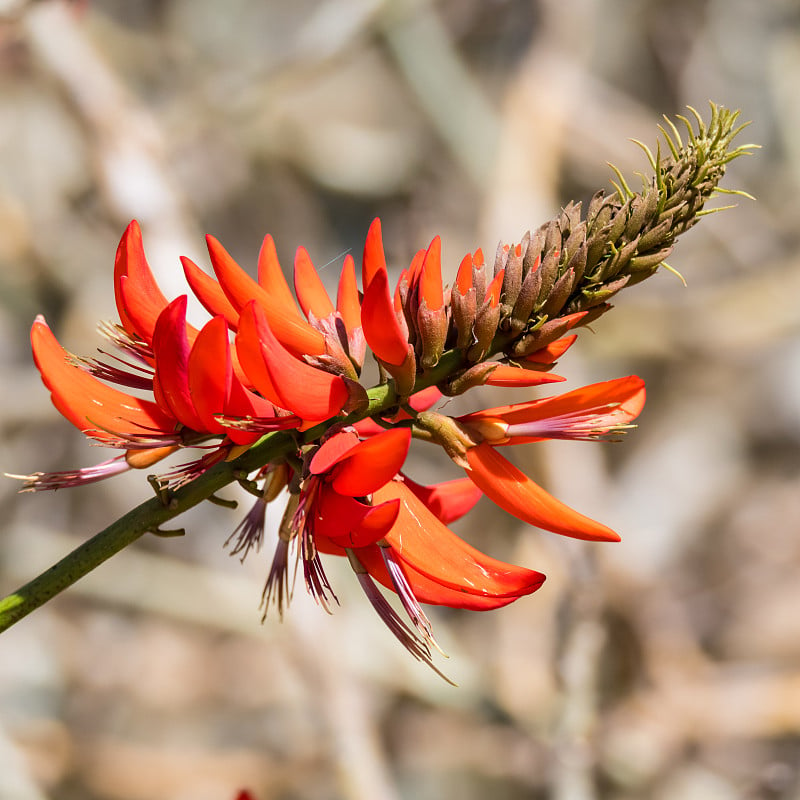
x: 553, y: 351
x: 348, y: 303
x: 374, y: 259
x: 494, y: 288
x: 517, y: 377
x: 209, y: 293
x: 89, y: 404
x: 331, y: 451
x: 311, y: 393
x: 142, y: 302
x: 272, y: 279
x: 583, y: 413
x: 430, y: 282
x: 349, y: 523
x: 516, y: 493
x: 420, y: 540
x: 372, y: 463
x: 450, y: 500
x: 211, y: 374
x: 379, y: 321
x: 293, y: 332
x: 464, y: 274
x: 310, y: 291
x: 171, y: 349
x: 427, y: 590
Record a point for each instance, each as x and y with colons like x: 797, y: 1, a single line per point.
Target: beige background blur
x: 664, y: 667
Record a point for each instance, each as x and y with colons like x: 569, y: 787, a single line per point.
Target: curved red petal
x: 494, y: 288
x: 171, y: 349
x: 88, y: 403
x: 516, y: 493
x: 143, y: 301
x: 372, y: 463
x: 211, y: 374
x: 331, y: 451
x: 293, y: 332
x: 310, y: 291
x: 381, y: 328
x: 464, y: 274
x: 244, y: 403
x: 209, y: 293
x: 602, y: 405
x: 248, y: 348
x: 420, y: 540
x: 348, y: 303
x: 311, y: 393
x: 215, y: 390
x: 517, y: 377
x: 553, y: 351
x: 374, y: 259
x: 427, y: 590
x: 272, y: 279
x: 450, y: 500
x: 430, y: 283
x: 349, y: 523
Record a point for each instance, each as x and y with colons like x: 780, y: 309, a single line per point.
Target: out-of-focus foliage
x: 667, y: 666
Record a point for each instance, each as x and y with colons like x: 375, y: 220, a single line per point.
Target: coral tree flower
x: 591, y: 412
x: 356, y: 503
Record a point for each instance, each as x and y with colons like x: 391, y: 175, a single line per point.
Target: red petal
x: 494, y: 288
x: 603, y: 405
x: 311, y: 393
x: 216, y: 390
x: 143, y: 301
x: 88, y: 403
x: 381, y: 328
x: 331, y: 451
x: 553, y: 351
x: 449, y: 500
x: 171, y: 350
x: 420, y: 540
x: 518, y: 377
x: 412, y: 274
x: 374, y: 258
x: 272, y: 279
x: 464, y: 274
x: 209, y: 293
x: 429, y: 591
x: 349, y: 523
x: 372, y: 463
x: 430, y: 284
x: 347, y: 300
x: 211, y: 374
x: 248, y: 348
x: 294, y: 333
x: 243, y: 403
x: 308, y: 287
x: 516, y: 493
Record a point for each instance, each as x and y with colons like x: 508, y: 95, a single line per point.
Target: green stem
x: 145, y: 518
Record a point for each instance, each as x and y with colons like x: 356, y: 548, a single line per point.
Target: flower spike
x: 268, y: 391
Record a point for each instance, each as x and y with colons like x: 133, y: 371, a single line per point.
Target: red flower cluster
x: 262, y: 365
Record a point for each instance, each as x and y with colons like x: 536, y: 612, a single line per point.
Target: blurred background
x: 664, y: 667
